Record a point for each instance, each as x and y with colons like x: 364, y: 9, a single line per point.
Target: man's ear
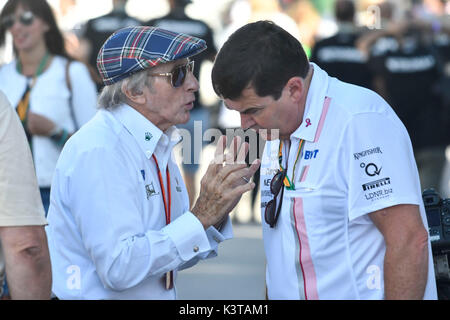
x: 135, y: 96
x: 295, y: 88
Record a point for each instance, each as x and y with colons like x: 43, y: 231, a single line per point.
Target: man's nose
x: 247, y: 121
x: 192, y: 82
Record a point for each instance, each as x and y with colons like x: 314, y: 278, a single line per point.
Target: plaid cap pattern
x: 133, y: 49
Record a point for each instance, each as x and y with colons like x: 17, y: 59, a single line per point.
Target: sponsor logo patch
x: 150, y: 189
x: 376, y: 184
x: 371, y: 169
x: 377, y: 195
x: 365, y: 153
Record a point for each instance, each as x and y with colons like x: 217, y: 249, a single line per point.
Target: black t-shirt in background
x: 411, y: 74
x: 178, y: 21
x: 340, y: 58
x: 97, y: 30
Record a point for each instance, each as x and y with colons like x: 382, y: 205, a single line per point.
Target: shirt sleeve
x: 378, y: 164
x: 214, y: 237
x: 109, y: 216
x: 20, y: 201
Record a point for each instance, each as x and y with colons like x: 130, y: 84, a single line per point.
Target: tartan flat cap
x: 130, y: 50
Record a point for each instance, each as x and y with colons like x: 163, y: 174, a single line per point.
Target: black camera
x: 438, y: 217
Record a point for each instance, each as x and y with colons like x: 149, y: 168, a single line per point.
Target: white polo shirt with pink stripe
x: 357, y: 158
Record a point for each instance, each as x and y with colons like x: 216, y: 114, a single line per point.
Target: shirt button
x: 216, y: 239
x: 196, y: 249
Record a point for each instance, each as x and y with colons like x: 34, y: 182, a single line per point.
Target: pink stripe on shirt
x: 304, y: 173
x: 309, y: 274
x: 326, y: 105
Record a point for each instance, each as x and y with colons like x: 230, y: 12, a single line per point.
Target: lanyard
x: 167, y: 206
x: 24, y: 103
x: 287, y: 182
x: 168, y: 202
x: 40, y: 68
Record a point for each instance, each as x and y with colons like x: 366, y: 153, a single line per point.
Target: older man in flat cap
x: 120, y: 225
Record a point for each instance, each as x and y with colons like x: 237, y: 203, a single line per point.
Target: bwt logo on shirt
x: 311, y: 154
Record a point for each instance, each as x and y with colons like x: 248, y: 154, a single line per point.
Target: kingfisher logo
x: 376, y: 184
x: 365, y: 153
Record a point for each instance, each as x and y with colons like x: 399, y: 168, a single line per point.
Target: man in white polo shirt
x: 341, y: 203
x: 120, y: 225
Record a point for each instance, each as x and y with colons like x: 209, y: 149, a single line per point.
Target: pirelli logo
x: 376, y: 184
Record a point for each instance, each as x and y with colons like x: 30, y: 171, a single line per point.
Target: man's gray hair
x: 112, y: 96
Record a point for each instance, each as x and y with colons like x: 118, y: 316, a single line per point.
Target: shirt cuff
x: 188, y: 235
x: 215, y: 237
x: 225, y: 233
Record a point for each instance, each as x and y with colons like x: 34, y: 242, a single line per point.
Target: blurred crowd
x: 400, y: 49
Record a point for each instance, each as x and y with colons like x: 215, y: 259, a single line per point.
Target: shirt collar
x: 313, y: 106
x: 147, y: 135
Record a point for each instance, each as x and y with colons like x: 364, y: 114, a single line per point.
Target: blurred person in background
x: 69, y: 17
x: 24, y: 254
x: 178, y: 21
x: 308, y: 22
x: 95, y: 32
x: 273, y: 11
x: 438, y: 19
x: 236, y: 15
x: 52, y: 94
x: 339, y: 55
x: 408, y: 73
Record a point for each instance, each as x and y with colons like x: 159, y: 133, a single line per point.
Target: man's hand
x: 223, y: 184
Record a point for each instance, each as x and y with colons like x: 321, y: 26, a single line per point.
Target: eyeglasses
x: 177, y: 75
x: 272, y: 211
x: 25, y: 19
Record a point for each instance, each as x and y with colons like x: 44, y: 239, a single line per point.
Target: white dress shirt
x: 49, y: 97
x: 107, y: 230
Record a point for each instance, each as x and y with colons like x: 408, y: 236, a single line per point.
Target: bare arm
x: 27, y: 262
x: 406, y: 259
